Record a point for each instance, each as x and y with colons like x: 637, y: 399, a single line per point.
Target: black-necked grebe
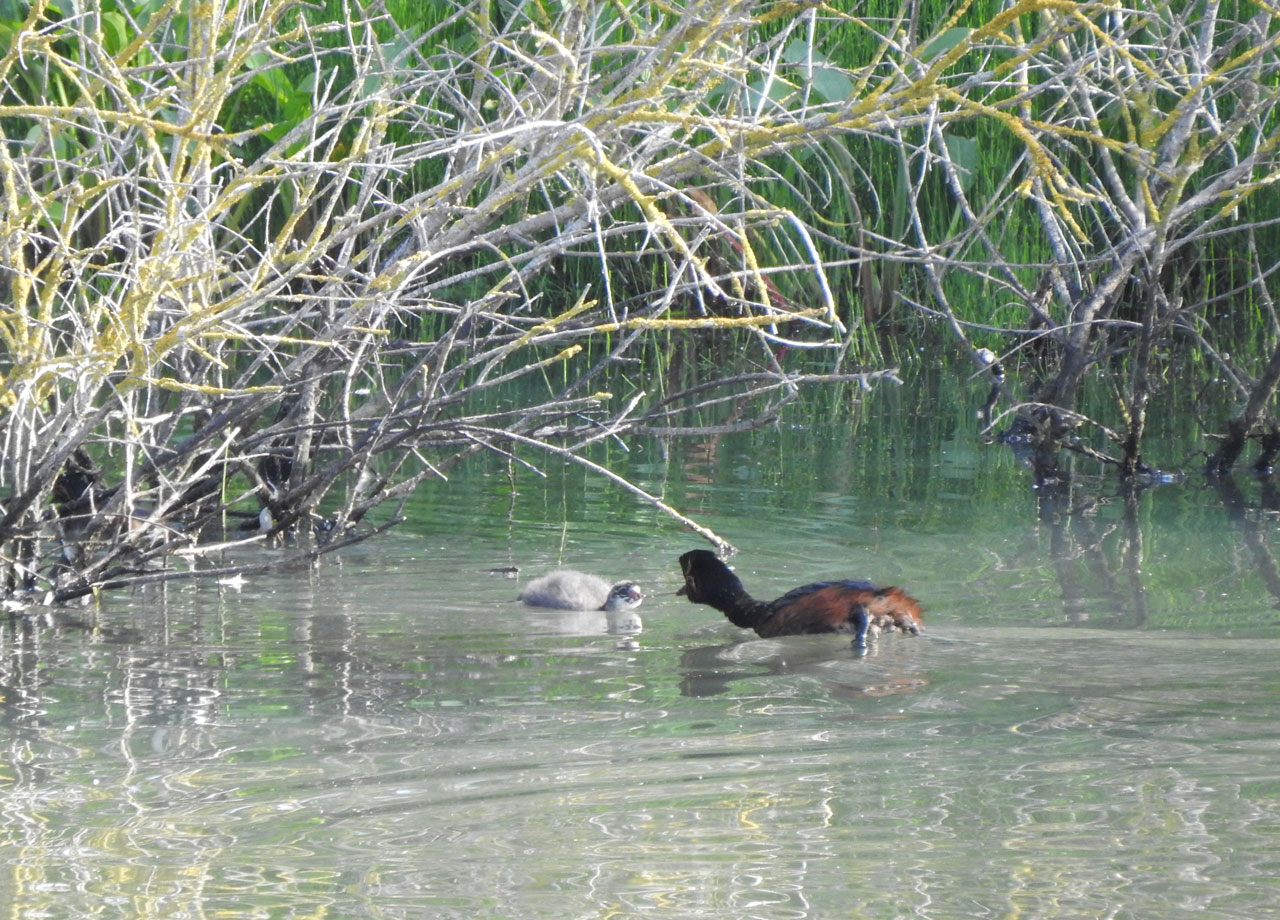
x: 856, y: 607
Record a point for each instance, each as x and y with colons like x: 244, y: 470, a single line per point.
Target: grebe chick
x: 856, y: 607
x: 569, y: 589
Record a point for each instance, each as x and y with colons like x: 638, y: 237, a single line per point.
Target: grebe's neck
x: 727, y: 595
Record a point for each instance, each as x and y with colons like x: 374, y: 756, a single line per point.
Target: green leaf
x: 941, y: 44
x: 276, y: 85
x: 779, y: 91
x: 832, y: 85
x: 799, y: 52
x: 13, y: 12
x: 115, y: 32
x: 964, y: 153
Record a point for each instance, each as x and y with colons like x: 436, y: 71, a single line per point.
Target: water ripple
x: 412, y: 759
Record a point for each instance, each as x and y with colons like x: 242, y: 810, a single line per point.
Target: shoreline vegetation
x: 269, y: 267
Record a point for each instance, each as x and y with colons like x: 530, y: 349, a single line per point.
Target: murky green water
x: 1088, y: 730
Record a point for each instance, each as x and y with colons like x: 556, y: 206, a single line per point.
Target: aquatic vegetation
x: 270, y: 268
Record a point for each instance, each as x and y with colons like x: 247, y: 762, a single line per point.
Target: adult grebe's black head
x: 707, y: 580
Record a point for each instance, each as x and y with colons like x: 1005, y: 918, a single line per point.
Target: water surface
x: 1087, y: 730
